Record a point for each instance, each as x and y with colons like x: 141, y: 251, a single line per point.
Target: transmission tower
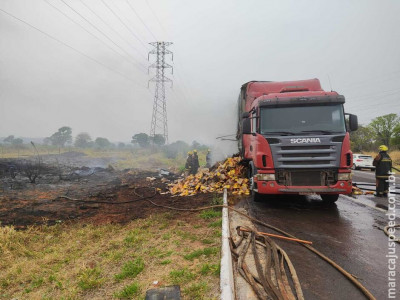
x: 159, y: 119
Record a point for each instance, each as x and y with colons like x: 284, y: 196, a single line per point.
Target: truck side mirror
x: 353, y: 122
x: 246, y: 126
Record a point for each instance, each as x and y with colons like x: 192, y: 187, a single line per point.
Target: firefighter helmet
x: 383, y: 148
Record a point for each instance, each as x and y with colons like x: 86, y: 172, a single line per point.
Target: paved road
x: 368, y: 176
x: 350, y: 233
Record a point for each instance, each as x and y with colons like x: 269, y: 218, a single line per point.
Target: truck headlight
x: 344, y: 176
x: 265, y: 177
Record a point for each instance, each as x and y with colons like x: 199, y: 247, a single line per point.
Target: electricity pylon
x: 159, y: 123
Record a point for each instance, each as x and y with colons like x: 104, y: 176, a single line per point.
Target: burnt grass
x: 64, y: 190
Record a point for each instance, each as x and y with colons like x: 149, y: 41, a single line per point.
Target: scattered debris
x: 169, y: 292
x: 164, y: 172
x: 357, y: 191
x: 229, y: 174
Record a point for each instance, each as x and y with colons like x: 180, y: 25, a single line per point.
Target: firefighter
x: 208, y: 158
x: 195, y: 164
x: 383, y: 165
x: 189, y: 162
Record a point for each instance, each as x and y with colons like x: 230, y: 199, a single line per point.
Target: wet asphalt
x: 350, y: 233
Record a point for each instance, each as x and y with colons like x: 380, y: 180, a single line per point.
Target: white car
x: 362, y: 161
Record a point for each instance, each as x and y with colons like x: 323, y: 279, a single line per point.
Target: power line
x: 72, y: 20
x: 72, y: 48
x: 101, y: 32
x: 375, y: 79
x: 380, y: 96
x: 113, y: 30
x: 363, y: 107
x: 148, y: 29
x: 123, y: 23
x: 372, y: 95
x: 155, y: 16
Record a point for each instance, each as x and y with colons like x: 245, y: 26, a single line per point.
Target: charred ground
x: 73, y: 186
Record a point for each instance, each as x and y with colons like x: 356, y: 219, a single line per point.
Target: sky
x: 85, y: 65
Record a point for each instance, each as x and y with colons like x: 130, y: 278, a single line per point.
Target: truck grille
x: 322, y: 156
x: 312, y: 147
x: 306, y: 177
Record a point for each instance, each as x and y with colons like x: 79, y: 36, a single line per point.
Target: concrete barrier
x: 226, y: 276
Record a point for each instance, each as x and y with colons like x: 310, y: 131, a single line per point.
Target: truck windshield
x: 322, y: 119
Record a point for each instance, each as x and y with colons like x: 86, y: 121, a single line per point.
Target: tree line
x: 63, y: 137
x: 381, y: 130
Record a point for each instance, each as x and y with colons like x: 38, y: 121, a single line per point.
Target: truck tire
x: 329, y: 198
x: 256, y: 197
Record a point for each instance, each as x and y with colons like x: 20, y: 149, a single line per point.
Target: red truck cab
x: 295, y: 139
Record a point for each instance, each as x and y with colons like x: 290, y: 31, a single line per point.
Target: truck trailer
x: 294, y: 137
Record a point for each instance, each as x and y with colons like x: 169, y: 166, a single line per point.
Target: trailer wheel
x: 329, y: 198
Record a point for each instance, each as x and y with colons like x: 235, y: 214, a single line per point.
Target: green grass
x: 207, y: 241
x: 207, y: 269
x: 210, y: 214
x: 36, y: 282
x: 181, y: 276
x: 166, y: 236
x: 196, y: 290
x: 83, y: 261
x: 217, y: 200
x: 217, y: 233
x: 197, y: 253
x: 135, y: 238
x: 128, y: 291
x: 165, y: 254
x: 154, y: 252
x: 53, y: 279
x: 186, y: 235
x: 90, y: 278
x: 130, y: 269
x: 217, y: 223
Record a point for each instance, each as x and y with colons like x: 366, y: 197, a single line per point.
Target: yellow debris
x: 229, y: 175
x: 356, y: 191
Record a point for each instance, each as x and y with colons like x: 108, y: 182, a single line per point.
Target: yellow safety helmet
x: 383, y: 148
x: 195, y: 151
x: 190, y: 152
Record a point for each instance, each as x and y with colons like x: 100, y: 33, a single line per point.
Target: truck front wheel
x: 329, y: 198
x: 256, y: 197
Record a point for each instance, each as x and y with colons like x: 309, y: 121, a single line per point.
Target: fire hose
x: 349, y: 276
x: 385, y: 230
x: 276, y: 259
x: 358, y: 184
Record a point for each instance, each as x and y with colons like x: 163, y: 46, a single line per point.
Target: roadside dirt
x: 53, y: 197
